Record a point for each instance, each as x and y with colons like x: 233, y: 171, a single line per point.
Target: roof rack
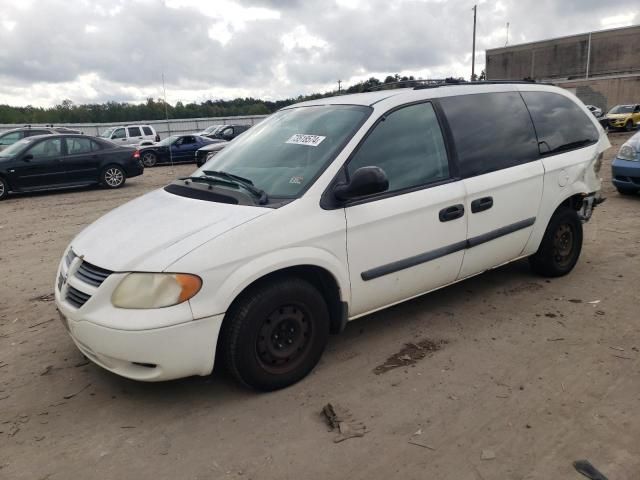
x: 435, y: 83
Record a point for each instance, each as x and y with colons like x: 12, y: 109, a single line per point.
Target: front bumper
x: 625, y: 173
x: 148, y: 345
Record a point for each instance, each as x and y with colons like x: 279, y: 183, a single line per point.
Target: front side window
x: 46, y: 149
x: 561, y: 124
x: 119, y: 133
x: 285, y: 153
x: 11, y: 138
x: 77, y: 146
x: 188, y: 140
x: 408, y: 145
x: 492, y: 131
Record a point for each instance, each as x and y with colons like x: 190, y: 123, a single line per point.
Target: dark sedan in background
x: 174, y: 149
x: 59, y: 161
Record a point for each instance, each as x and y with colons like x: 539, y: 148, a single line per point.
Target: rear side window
x: 147, y: 131
x: 76, y: 146
x: 491, y: 131
x: 95, y: 146
x: 134, y: 132
x: 560, y: 124
x: 408, y: 145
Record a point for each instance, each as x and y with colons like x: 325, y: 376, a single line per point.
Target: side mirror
x: 364, y: 181
x: 27, y: 158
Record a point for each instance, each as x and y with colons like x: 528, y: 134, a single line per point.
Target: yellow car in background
x: 624, y: 116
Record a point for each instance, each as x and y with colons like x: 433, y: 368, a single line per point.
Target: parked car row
x: 54, y: 160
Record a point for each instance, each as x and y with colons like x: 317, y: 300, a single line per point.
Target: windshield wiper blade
x: 245, y: 182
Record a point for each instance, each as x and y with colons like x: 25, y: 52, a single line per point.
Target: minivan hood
x: 153, y: 231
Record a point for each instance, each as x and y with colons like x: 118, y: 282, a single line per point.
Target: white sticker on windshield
x: 302, y: 139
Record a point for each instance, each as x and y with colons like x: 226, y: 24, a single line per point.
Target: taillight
x: 157, y: 137
x: 136, y: 154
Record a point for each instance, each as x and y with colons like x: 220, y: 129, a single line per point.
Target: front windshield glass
x: 283, y: 154
x: 622, y: 109
x: 168, y: 141
x: 107, y: 133
x: 211, y: 129
x: 16, y: 147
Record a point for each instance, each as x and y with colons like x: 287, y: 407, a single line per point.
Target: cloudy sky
x: 101, y: 50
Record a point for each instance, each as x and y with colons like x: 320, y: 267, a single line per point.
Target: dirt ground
x: 529, y: 374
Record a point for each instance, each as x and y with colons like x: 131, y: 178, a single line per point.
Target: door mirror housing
x: 364, y: 181
x: 27, y: 158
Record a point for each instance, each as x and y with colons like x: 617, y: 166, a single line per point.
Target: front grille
x: 91, y: 274
x: 76, y: 298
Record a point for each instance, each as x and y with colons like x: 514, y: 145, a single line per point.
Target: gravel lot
x: 532, y: 374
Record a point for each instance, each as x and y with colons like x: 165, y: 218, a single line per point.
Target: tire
x: 4, y: 189
x: 626, y: 191
x: 113, y: 176
x: 628, y: 126
x: 260, y: 325
x: 561, y: 245
x: 149, y: 159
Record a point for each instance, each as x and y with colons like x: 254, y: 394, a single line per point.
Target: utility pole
x: 473, y: 53
x: 507, y: 40
x: 339, y: 83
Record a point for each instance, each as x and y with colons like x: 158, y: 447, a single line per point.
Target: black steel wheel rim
x: 284, y: 338
x: 563, y: 244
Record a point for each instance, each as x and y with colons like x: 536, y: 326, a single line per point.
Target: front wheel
x: 4, y: 189
x: 626, y: 191
x: 113, y: 176
x: 275, y: 335
x: 628, y: 126
x: 149, y: 159
x: 561, y: 245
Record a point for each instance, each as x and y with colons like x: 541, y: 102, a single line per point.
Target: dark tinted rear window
x: 491, y: 131
x: 147, y: 131
x: 560, y: 124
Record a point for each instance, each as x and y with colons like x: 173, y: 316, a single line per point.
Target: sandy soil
x: 529, y: 375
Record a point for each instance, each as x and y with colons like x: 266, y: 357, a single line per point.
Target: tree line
x: 156, y: 109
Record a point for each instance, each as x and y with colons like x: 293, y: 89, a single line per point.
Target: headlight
x: 155, y: 290
x: 627, y: 152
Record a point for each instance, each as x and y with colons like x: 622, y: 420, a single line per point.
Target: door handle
x: 451, y: 213
x: 481, y: 204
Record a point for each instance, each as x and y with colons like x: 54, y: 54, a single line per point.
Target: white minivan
x: 324, y: 212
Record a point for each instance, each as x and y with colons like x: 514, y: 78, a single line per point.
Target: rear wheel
x: 113, y: 176
x: 275, y: 334
x: 561, y: 245
x: 4, y: 189
x: 149, y: 159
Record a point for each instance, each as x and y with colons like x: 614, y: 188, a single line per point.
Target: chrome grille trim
x: 92, y: 274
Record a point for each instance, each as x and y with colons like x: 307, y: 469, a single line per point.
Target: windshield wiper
x: 237, y: 179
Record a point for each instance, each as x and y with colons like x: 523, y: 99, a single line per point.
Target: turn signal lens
x: 190, y: 285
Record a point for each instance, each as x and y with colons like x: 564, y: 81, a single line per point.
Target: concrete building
x: 602, y: 68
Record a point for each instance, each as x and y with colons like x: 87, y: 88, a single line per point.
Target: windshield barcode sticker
x: 310, y: 140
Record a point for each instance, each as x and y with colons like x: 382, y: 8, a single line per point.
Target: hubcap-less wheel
x: 563, y: 245
x: 3, y: 189
x: 284, y: 338
x: 113, y: 177
x: 148, y: 159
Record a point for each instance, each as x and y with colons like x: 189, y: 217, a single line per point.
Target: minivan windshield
x: 107, y: 133
x: 285, y: 153
x: 622, y: 109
